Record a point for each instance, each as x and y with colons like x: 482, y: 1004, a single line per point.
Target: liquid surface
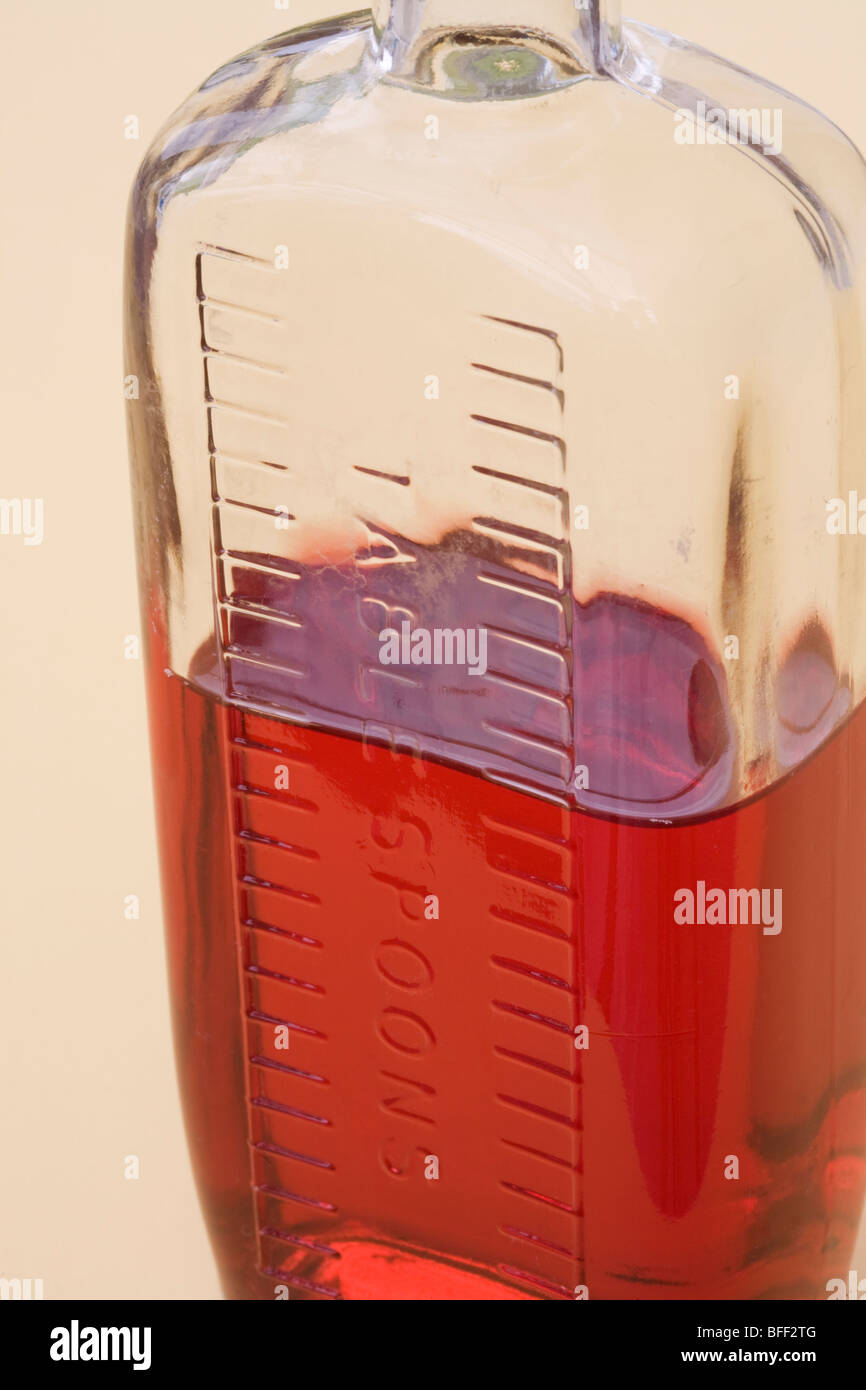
x: 614, y: 702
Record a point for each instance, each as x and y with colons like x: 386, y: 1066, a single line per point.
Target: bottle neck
x: 589, y: 28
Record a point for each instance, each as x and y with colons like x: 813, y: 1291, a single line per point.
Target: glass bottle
x: 496, y: 414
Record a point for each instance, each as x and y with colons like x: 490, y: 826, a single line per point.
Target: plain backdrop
x: 87, y: 1076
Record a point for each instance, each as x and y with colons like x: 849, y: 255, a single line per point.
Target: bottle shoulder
x: 313, y: 109
x: 293, y: 79
x: 715, y: 101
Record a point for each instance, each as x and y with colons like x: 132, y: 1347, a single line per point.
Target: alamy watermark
x: 22, y: 516
x: 21, y: 1290
x: 719, y: 125
x: 438, y: 646
x: 846, y: 517
x: 853, y: 1288
x: 77, y: 1343
x: 715, y: 907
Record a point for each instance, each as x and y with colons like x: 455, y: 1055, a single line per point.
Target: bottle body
x: 475, y: 422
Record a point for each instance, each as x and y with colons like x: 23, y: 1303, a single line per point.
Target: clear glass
x: 496, y: 422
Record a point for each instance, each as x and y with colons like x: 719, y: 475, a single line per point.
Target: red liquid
x: 412, y: 1038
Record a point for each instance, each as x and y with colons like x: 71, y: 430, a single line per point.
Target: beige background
x: 87, y: 1076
